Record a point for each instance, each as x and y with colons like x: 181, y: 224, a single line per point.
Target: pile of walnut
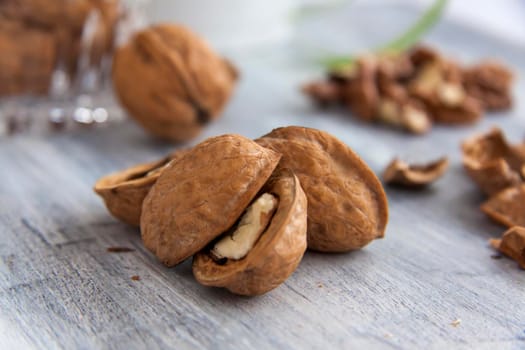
x: 411, y: 91
x: 37, y: 35
x: 498, y: 168
x: 248, y: 210
x: 171, y: 82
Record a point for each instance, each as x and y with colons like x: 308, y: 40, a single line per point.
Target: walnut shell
x: 48, y: 14
x: 124, y: 191
x: 507, y: 207
x: 201, y: 195
x: 27, y: 60
x: 491, y: 162
x: 347, y: 206
x: 276, y: 254
x: 171, y: 82
x: 512, y: 244
x: 401, y: 173
x: 490, y: 82
x: 361, y: 93
x: 63, y: 21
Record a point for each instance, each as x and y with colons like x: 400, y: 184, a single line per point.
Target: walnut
x: 507, y: 207
x: 124, y: 191
x: 202, y: 195
x: 347, y: 206
x: 490, y: 83
x: 59, y: 26
x: 438, y: 85
x: 491, y: 162
x: 323, y: 92
x: 512, y: 244
x: 361, y: 93
x: 171, y: 82
x: 414, y: 89
x: 414, y: 175
x: 248, y: 221
x: 407, y: 114
x: 253, y: 269
x: 421, y: 55
x: 27, y: 60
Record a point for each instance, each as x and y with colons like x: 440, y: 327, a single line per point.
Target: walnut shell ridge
x: 171, y: 82
x: 347, y: 205
x: 276, y: 254
x: 201, y: 195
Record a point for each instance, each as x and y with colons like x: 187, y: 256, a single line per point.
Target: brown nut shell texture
x: 171, y: 82
x: 347, y: 206
x: 512, y: 244
x: 400, y: 173
x: 124, y: 191
x: 491, y: 162
x: 507, y: 207
x: 201, y: 195
x: 275, y: 255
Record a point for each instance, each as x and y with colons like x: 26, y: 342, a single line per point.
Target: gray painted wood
x: 60, y: 288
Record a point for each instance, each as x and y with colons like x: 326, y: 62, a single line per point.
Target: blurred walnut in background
x: 171, y: 82
x: 38, y: 35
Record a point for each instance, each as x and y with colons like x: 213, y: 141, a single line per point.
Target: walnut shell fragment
x: 124, y: 191
x: 507, y: 207
x: 275, y: 255
x: 491, y: 162
x: 401, y: 173
x: 171, y: 82
x: 347, y: 206
x: 512, y: 244
x: 201, y: 195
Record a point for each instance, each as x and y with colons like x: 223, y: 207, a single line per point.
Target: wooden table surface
x: 60, y: 288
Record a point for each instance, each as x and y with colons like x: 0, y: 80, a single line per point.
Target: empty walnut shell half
x: 347, y: 206
x: 203, y: 195
x: 512, y: 244
x: 401, y: 173
x: 507, y: 207
x: 124, y: 191
x: 274, y: 256
x: 171, y: 82
x: 491, y: 162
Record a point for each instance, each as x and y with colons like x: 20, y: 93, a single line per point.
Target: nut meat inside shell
x: 171, y: 81
x: 275, y: 255
x: 203, y: 195
x: 347, y: 206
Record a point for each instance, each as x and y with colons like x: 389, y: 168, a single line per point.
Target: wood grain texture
x: 60, y: 288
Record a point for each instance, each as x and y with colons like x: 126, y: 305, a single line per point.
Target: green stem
x: 416, y: 32
x: 400, y: 44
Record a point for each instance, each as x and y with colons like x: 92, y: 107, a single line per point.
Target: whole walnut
x: 171, y: 82
x: 347, y: 205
